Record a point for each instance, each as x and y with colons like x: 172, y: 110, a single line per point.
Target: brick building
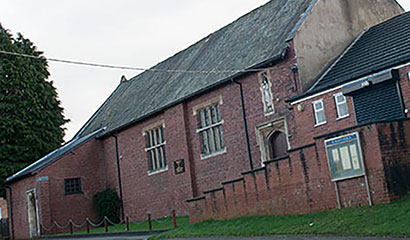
x: 215, y: 137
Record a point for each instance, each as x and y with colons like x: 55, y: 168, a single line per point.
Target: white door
x: 32, y: 212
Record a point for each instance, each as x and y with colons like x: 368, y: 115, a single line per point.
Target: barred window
x: 72, y: 185
x: 156, y: 149
x: 210, y: 130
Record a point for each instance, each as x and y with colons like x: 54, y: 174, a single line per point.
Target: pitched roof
x: 54, y: 155
x: 379, y: 47
x: 252, y: 40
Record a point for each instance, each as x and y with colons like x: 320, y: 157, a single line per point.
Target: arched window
x: 278, y: 145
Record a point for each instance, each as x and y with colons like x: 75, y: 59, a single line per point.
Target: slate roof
x: 378, y: 48
x: 251, y: 41
x: 54, y: 155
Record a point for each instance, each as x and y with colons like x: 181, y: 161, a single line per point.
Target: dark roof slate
x: 379, y: 47
x: 54, y: 155
x: 253, y: 39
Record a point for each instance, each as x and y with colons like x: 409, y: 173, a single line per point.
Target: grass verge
x: 389, y: 219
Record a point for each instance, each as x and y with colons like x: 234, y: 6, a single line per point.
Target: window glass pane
x: 201, y: 119
x: 161, y: 134
x: 154, y: 159
x: 318, y: 106
x: 159, y: 152
x: 336, y: 160
x: 343, y: 110
x: 218, y: 115
x: 355, y: 157
x: 212, y: 114
x: 151, y: 167
x: 208, y: 136
x: 320, y: 117
x: 148, y: 139
x: 220, y: 137
x: 203, y: 142
x: 340, y: 99
x: 157, y: 138
x: 206, y: 121
x: 163, y: 156
x: 344, y: 154
x: 152, y: 137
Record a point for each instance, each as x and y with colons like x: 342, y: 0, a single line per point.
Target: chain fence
x: 105, y: 222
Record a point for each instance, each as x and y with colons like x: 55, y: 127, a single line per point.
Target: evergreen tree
x: 31, y: 118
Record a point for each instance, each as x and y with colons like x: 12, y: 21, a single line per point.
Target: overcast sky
x: 122, y: 32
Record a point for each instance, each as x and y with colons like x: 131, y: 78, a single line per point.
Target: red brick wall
x: 53, y: 205
x: 19, y: 205
x: 301, y: 183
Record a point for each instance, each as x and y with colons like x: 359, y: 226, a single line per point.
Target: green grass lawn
x: 390, y: 219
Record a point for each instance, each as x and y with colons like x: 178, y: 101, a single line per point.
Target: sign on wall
x: 345, y: 156
x: 179, y: 166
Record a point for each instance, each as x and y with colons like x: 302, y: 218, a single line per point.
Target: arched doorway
x: 277, y: 145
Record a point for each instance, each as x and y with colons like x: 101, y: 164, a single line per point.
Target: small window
x: 156, y: 149
x: 344, y: 156
x: 341, y: 106
x: 210, y: 130
x: 319, y: 109
x: 72, y: 185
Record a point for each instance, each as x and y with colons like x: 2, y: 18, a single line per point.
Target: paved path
x: 284, y: 237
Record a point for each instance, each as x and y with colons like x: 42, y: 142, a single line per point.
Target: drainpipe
x: 11, y: 212
x: 119, y: 176
x: 245, y: 125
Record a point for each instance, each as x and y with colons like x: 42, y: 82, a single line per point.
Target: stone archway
x: 272, y: 139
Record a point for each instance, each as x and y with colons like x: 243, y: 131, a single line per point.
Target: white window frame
x: 215, y: 131
x: 158, y: 148
x: 338, y: 104
x: 317, y: 123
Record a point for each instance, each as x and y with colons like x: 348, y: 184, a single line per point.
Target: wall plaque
x: 179, y: 166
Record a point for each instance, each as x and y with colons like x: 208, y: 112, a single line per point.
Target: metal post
x: 339, y: 205
x: 127, y: 223
x: 174, y: 218
x: 149, y: 221
x: 88, y: 226
x: 369, y: 196
x: 71, y: 226
x: 105, y: 224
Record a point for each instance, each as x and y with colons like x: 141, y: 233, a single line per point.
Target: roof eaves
x: 301, y: 20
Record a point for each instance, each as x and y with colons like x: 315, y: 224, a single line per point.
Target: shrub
x: 107, y: 203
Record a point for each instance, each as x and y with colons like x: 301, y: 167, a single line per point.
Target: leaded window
x: 72, y: 185
x: 210, y: 129
x: 156, y: 149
